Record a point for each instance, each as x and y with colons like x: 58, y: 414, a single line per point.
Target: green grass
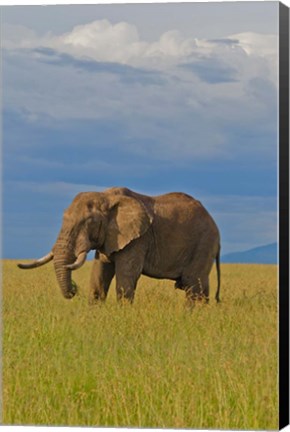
x: 152, y: 364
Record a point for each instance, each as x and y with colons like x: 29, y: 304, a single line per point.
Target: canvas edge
x: 283, y: 215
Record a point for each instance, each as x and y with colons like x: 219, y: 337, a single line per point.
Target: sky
x: 154, y: 97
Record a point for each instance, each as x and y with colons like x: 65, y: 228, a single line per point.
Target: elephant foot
x: 195, y: 298
x: 96, y: 299
x: 124, y: 301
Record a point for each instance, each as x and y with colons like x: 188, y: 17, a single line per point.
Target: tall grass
x: 152, y: 364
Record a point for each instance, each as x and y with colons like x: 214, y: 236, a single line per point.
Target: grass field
x: 152, y: 364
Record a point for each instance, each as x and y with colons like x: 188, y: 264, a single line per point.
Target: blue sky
x: 158, y: 98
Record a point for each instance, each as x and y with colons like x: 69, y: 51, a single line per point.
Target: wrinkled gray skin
x: 169, y: 236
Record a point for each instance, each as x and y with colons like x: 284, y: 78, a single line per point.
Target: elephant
x: 170, y: 236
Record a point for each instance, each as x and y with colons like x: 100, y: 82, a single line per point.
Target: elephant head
x: 94, y: 220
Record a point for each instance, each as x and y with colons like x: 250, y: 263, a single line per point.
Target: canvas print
x: 140, y: 215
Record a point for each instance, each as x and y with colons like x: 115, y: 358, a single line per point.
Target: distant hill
x: 260, y: 255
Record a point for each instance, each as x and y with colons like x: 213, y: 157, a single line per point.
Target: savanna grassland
x: 153, y: 364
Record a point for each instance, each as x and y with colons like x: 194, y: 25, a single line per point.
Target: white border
x: 104, y: 2
x: 94, y: 2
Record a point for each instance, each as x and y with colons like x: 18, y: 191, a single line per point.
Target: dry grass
x: 152, y: 364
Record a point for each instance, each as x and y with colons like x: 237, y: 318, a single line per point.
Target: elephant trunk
x: 63, y: 275
x: 63, y: 256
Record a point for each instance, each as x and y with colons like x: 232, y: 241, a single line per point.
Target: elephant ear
x: 128, y: 220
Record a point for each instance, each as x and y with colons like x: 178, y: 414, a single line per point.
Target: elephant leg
x: 128, y: 265
x: 101, y: 277
x: 196, y: 288
x: 126, y: 290
x: 196, y: 277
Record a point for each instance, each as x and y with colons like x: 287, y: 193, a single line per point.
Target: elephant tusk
x: 78, y: 262
x: 37, y: 263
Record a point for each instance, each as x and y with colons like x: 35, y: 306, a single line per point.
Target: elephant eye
x: 90, y: 206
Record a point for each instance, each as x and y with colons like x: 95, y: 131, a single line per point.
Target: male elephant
x: 169, y: 236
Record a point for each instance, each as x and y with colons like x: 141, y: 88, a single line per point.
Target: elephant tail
x: 217, y: 259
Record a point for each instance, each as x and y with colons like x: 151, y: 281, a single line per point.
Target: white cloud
x: 103, y: 41
x: 173, y: 93
x: 258, y: 44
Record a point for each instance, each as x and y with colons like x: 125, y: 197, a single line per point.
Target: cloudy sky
x: 155, y: 97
